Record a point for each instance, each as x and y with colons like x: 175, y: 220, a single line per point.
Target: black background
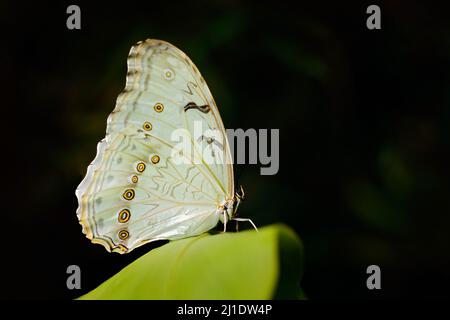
x: 364, y: 119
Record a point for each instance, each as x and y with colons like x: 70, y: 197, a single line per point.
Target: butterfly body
x: 144, y: 184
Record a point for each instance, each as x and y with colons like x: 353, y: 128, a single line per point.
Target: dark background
x: 364, y: 119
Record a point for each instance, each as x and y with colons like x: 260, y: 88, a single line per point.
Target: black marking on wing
x: 189, y: 87
x: 192, y: 105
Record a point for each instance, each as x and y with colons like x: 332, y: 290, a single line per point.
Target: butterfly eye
x: 147, y: 126
x: 123, y: 234
x: 134, y: 179
x: 124, y: 215
x: 155, y: 159
x: 140, y: 167
x: 159, y: 107
x: 128, y: 194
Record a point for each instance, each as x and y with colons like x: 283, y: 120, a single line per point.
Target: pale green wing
x: 161, y: 81
x: 137, y: 190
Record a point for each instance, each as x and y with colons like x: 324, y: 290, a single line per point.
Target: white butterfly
x: 143, y: 186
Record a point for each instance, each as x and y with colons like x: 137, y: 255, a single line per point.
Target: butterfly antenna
x: 239, y: 170
x: 240, y: 195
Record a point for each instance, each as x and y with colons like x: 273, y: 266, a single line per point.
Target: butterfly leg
x: 225, y: 221
x: 248, y: 220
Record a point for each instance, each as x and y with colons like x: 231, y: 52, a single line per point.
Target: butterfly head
x: 230, y: 206
x: 226, y: 208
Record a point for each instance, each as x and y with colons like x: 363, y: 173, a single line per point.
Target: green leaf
x: 243, y: 265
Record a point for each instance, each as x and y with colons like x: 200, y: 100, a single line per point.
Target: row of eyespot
x: 124, y: 214
x: 159, y: 107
